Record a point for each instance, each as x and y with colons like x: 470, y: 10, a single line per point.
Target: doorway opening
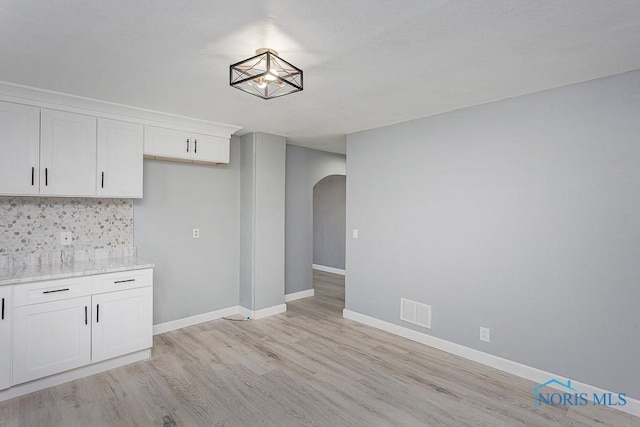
x: 329, y: 231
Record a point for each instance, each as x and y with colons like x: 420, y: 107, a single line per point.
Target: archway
x: 329, y: 226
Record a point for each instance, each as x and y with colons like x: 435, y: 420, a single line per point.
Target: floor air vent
x: 415, y: 312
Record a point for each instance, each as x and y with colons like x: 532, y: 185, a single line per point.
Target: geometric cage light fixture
x: 266, y: 75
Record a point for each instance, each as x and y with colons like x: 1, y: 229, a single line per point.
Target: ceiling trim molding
x: 61, y: 101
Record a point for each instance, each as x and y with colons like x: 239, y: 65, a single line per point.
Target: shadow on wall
x: 329, y: 203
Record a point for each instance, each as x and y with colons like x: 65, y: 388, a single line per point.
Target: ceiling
x: 366, y: 63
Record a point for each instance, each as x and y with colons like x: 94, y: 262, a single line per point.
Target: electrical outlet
x: 65, y: 238
x: 485, y: 334
x: 196, y: 233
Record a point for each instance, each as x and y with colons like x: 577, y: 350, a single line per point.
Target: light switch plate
x: 196, y: 233
x: 355, y: 233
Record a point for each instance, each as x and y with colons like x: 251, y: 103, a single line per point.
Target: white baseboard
x: 63, y: 377
x: 194, y: 320
x: 299, y: 295
x: 533, y: 374
x: 217, y: 314
x: 328, y: 269
x: 265, y: 312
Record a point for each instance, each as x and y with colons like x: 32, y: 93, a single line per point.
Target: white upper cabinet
x: 161, y: 143
x: 67, y: 154
x: 60, y: 145
x: 120, y: 155
x: 19, y: 148
x: 210, y: 149
x: 167, y: 143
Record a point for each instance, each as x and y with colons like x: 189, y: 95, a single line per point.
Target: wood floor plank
x: 305, y: 367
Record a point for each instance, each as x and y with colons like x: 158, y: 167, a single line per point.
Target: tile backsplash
x: 30, y: 227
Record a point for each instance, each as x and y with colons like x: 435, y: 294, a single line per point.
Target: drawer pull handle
x: 57, y: 290
x: 33, y: 173
x: 97, y: 313
x: 85, y: 315
x: 125, y: 281
x: 2, y: 308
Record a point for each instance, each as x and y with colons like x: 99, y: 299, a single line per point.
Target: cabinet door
x: 122, y: 323
x: 67, y: 154
x: 19, y: 148
x: 51, y: 337
x: 5, y: 337
x: 119, y: 172
x: 212, y: 149
x: 168, y: 143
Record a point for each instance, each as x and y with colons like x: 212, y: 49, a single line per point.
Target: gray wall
x: 520, y: 216
x: 305, y: 167
x: 192, y: 276
x: 329, y: 200
x: 262, y: 239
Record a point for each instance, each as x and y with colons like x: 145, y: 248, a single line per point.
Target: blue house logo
x: 564, y: 394
x: 539, y: 398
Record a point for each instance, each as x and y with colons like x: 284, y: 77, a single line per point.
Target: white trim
x: 63, y: 377
x: 299, y: 295
x: 245, y: 312
x: 20, y: 94
x: 328, y: 269
x: 194, y: 320
x: 269, y: 311
x: 533, y: 374
x: 262, y: 313
x: 161, y: 328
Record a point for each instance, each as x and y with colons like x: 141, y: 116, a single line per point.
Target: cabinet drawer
x: 120, y: 281
x: 51, y: 290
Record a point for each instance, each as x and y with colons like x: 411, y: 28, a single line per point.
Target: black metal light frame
x: 241, y: 78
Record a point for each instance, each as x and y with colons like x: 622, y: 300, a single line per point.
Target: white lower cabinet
x: 51, y: 337
x: 122, y: 323
x: 59, y: 325
x: 5, y: 337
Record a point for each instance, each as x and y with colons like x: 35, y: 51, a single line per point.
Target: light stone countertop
x: 36, y: 273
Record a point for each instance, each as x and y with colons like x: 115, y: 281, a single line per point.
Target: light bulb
x: 270, y: 77
x: 262, y: 84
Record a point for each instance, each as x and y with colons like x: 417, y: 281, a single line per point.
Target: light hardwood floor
x: 305, y: 367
